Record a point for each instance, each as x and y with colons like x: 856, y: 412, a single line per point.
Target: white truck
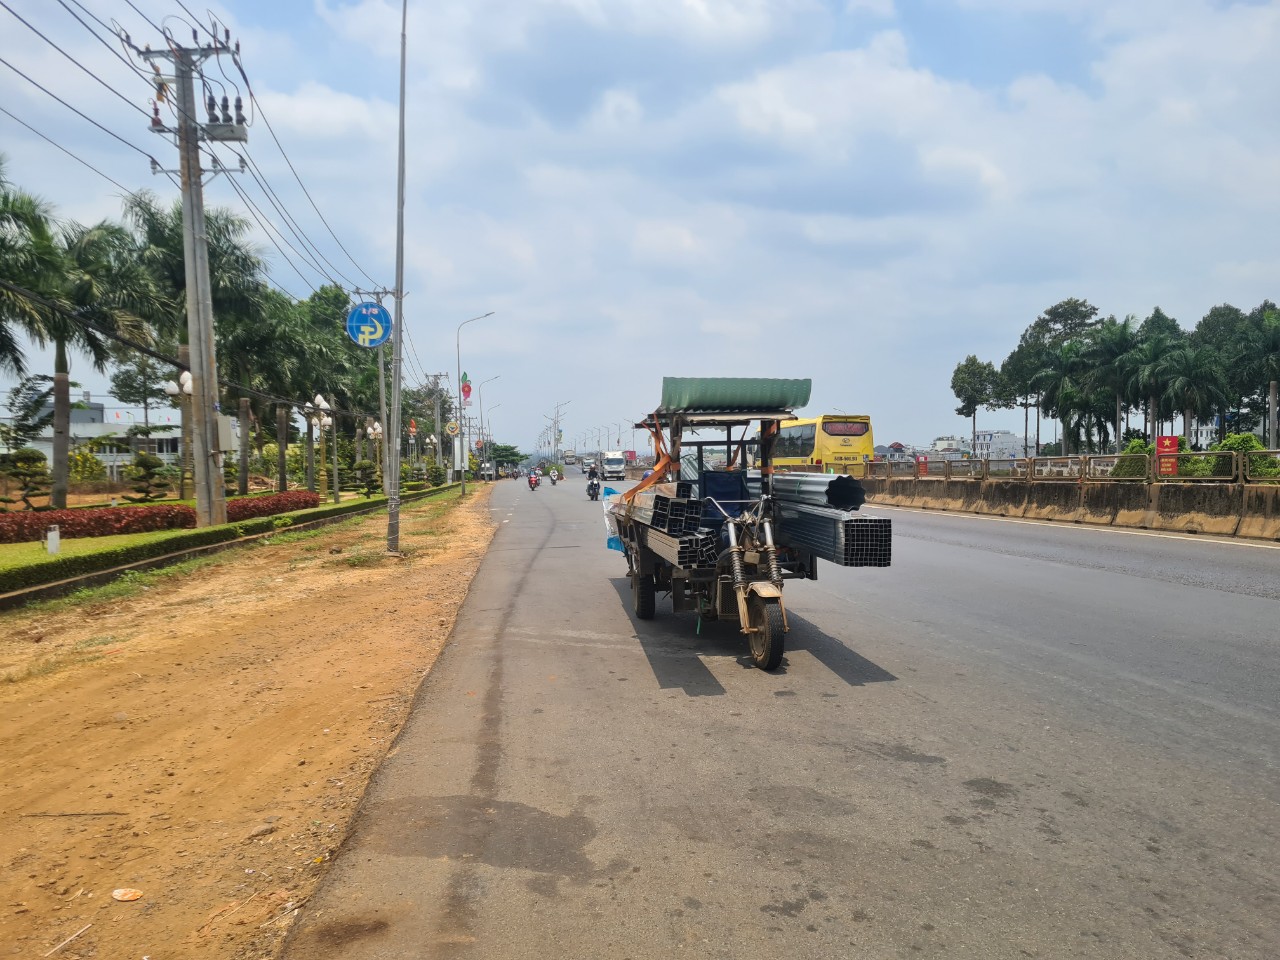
x: 614, y: 466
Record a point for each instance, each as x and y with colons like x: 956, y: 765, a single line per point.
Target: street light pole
x: 480, y: 402
x: 457, y: 344
x: 397, y: 326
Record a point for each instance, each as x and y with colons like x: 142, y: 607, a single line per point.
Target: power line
x: 73, y: 156
x: 253, y: 99
x: 259, y: 218
x: 116, y: 53
x: 290, y: 221
x: 104, y: 83
x: 78, y: 317
x: 84, y: 116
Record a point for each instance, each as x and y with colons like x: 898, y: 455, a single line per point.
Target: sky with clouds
x: 857, y: 191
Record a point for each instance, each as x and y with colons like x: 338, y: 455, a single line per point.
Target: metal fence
x: 1057, y: 468
x: 1261, y: 466
x: 1225, y: 466
x: 1007, y: 469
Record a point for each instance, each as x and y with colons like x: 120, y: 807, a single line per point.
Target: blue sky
x: 857, y: 191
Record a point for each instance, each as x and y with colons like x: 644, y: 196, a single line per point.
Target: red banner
x: 1167, y: 466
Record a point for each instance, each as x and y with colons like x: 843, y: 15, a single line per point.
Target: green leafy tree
x: 1064, y: 321
x: 30, y: 411
x: 138, y: 380
x: 84, y: 465
x: 974, y: 383
x: 1160, y: 324
x: 28, y: 468
x: 149, y: 481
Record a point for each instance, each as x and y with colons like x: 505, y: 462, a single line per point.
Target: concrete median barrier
x: 1260, y: 516
x: 1196, y: 507
x: 1130, y: 502
x: 1053, y: 500
x: 1004, y: 498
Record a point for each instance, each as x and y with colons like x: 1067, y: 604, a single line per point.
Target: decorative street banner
x: 369, y: 324
x: 466, y: 389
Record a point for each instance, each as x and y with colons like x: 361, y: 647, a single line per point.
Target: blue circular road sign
x: 369, y: 324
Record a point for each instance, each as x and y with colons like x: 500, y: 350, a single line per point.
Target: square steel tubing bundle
x: 815, y: 489
x: 686, y: 552
x: 835, y: 536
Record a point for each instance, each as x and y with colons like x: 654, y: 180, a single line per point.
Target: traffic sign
x: 451, y: 428
x: 369, y: 324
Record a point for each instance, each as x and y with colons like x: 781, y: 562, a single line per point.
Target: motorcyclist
x: 593, y: 476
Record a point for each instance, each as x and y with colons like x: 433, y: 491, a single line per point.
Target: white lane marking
x: 1087, y: 527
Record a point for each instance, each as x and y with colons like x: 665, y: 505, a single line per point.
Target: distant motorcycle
x: 533, y: 481
x: 593, y: 489
x: 553, y: 478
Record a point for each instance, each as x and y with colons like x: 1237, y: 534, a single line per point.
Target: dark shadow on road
x: 853, y: 669
x: 676, y: 649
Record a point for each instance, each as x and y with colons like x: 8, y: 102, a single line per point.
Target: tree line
x: 1094, y: 375
x: 74, y: 288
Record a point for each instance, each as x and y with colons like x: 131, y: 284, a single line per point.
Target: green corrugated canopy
x: 732, y: 394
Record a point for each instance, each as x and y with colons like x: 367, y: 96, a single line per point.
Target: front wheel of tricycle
x: 767, y: 633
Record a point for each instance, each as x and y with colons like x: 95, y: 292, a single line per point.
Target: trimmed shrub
x: 64, y: 567
x: 269, y: 504
x: 95, y: 522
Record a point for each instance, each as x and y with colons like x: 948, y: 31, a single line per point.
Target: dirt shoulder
x: 206, y: 740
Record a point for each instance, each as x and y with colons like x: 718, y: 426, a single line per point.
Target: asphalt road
x: 1022, y: 740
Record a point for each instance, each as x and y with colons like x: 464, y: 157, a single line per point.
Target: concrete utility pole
x: 211, y: 501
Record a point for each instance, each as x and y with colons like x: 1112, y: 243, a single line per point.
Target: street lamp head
x: 184, y: 378
x: 171, y: 388
x: 326, y: 422
x: 321, y: 402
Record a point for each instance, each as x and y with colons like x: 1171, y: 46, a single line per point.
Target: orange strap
x: 659, y: 468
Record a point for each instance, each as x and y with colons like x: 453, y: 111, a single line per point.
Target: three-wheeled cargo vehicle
x: 721, y: 536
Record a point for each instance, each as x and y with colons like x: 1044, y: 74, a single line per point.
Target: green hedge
x: 64, y: 567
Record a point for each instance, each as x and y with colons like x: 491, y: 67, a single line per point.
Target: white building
x: 90, y: 423
x: 1001, y: 445
x: 949, y: 448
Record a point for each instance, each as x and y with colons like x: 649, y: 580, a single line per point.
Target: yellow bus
x: 831, y: 443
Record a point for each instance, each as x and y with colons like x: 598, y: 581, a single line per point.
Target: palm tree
x: 1110, y: 355
x: 235, y: 272
x: 1194, y: 383
x: 103, y: 284
x: 1147, y: 376
x: 1261, y: 360
x: 1061, y: 385
x: 29, y: 259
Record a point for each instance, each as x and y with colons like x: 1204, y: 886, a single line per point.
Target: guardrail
x: 1225, y: 466
x: 1261, y: 465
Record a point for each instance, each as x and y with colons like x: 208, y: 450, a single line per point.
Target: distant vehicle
x: 831, y: 443
x: 615, y: 465
x: 570, y: 458
x: 588, y: 463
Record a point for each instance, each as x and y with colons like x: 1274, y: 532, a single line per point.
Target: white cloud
x: 892, y: 210
x: 884, y: 9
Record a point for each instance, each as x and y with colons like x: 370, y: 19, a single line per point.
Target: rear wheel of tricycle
x: 767, y: 632
x: 643, y: 595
